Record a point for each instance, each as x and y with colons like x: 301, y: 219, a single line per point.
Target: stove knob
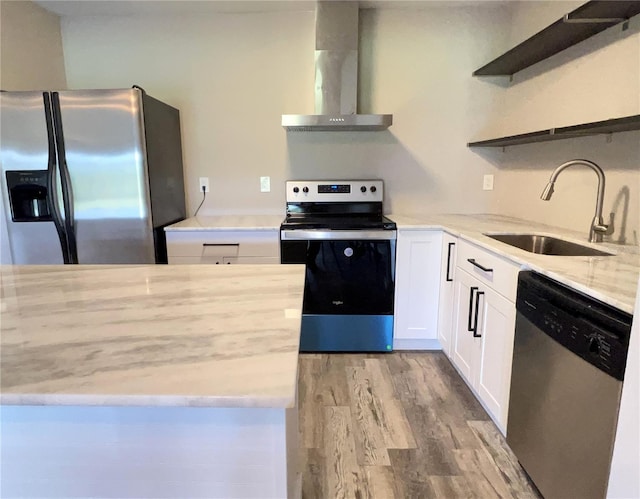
x: 296, y: 190
x: 373, y: 188
x: 305, y: 189
x: 363, y: 189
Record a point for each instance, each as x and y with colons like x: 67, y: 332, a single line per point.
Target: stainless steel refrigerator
x: 89, y: 176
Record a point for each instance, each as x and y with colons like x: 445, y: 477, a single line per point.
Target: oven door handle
x: 327, y: 234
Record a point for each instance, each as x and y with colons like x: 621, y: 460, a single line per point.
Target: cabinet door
x: 493, y: 379
x: 417, y: 285
x: 447, y: 291
x: 465, y: 348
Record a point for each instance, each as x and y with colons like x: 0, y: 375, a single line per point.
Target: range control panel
x: 334, y: 190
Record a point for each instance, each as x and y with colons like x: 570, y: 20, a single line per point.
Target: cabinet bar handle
x: 451, y: 245
x: 475, y: 320
x: 469, y: 323
x: 473, y: 262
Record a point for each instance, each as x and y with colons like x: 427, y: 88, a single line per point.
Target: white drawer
x: 213, y: 250
x: 500, y: 274
x: 208, y: 260
x: 224, y: 260
x: 218, y: 244
x: 202, y: 250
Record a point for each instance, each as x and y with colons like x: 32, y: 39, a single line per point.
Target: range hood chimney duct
x: 336, y: 85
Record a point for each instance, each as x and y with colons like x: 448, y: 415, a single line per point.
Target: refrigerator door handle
x: 52, y: 198
x: 65, y: 179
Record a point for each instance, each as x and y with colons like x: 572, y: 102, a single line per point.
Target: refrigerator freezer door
x: 24, y: 147
x: 106, y: 158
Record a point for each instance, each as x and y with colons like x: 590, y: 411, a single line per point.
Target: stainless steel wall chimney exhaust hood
x: 336, y: 84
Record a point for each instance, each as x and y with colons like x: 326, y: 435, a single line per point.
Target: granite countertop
x: 153, y: 335
x: 228, y: 222
x: 611, y: 279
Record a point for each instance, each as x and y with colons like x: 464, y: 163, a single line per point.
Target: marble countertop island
x: 159, y: 335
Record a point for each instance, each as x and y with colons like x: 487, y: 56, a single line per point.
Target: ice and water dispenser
x: 28, y: 195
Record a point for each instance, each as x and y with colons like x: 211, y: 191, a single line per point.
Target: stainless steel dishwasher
x: 569, y: 359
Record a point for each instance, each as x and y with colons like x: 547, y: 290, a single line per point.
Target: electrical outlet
x: 204, y: 183
x: 487, y: 183
x: 265, y: 184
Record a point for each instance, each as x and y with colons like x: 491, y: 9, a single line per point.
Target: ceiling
x: 173, y: 7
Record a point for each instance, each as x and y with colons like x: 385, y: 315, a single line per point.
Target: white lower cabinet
x: 418, y: 264
x: 222, y: 247
x: 497, y: 327
x: 465, y: 350
x: 483, y: 333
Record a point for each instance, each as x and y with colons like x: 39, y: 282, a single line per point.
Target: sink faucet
x: 598, y: 227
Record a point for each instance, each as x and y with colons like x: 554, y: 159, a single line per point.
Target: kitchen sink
x: 547, y: 245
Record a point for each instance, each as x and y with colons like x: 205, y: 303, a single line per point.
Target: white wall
x: 416, y: 65
x: 595, y: 80
x: 232, y: 75
x: 30, y: 48
x: 525, y: 170
x: 530, y: 17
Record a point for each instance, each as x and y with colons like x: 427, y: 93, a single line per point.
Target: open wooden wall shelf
x: 585, y: 21
x: 625, y: 124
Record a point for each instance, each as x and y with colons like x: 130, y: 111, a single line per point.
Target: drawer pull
x: 472, y: 290
x: 447, y: 278
x: 475, y: 320
x: 473, y: 262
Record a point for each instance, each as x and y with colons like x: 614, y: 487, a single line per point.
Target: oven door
x: 349, y: 288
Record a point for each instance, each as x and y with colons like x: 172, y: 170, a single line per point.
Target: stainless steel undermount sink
x: 547, y: 245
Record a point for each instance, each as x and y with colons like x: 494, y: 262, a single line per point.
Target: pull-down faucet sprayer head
x: 548, y: 191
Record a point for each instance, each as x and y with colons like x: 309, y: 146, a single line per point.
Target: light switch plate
x: 487, y: 183
x: 265, y: 184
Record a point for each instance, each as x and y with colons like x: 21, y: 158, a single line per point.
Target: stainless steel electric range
x: 336, y: 228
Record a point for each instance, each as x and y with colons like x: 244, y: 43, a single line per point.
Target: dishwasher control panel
x: 592, y: 330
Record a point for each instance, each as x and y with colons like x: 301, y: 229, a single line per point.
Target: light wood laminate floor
x: 398, y: 425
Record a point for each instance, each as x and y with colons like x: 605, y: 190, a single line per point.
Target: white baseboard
x: 413, y: 344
